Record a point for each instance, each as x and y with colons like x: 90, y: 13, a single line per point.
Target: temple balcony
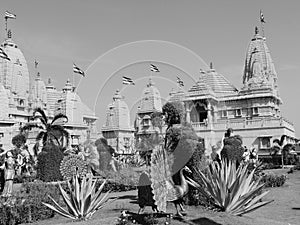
x: 243, y: 123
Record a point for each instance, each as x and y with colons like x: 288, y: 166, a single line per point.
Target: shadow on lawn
x: 205, y: 221
x: 149, y: 218
x: 131, y: 197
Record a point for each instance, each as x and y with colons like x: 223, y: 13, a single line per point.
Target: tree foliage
x: 19, y: 140
x: 174, y: 113
x: 50, y: 132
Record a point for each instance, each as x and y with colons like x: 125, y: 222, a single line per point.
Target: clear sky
x: 57, y: 33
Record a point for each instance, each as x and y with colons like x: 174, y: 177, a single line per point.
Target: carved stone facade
x: 117, y: 129
x: 214, y: 105
x: 149, y: 103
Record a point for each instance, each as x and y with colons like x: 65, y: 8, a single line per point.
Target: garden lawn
x: 283, y: 211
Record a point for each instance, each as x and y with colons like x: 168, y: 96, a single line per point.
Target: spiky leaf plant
x: 83, y: 199
x: 231, y: 189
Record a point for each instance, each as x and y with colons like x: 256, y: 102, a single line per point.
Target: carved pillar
x: 188, y: 113
x: 209, y: 115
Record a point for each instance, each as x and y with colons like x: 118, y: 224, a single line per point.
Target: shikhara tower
x: 22, y: 92
x: 213, y: 104
x: 117, y: 129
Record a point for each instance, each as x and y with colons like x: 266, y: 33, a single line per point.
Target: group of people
x: 249, y: 155
x: 10, y: 165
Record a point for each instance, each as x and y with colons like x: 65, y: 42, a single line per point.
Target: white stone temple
x: 21, y: 92
x: 213, y: 104
x: 117, y: 129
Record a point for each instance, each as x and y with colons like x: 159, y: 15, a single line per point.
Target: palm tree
x: 49, y: 131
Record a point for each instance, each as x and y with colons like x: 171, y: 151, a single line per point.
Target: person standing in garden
x: 9, y: 173
x: 2, y: 160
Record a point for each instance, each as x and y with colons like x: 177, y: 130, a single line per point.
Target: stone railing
x: 243, y: 123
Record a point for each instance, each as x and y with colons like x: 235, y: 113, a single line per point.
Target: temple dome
x: 151, y: 99
x: 117, y: 114
x: 212, y: 83
x: 71, y: 105
x: 14, y: 74
x: 259, y: 69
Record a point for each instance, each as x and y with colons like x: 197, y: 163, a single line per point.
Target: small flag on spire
x: 154, y: 68
x: 3, y: 55
x: 180, y: 82
x: 9, y: 15
x: 262, y: 18
x: 76, y: 69
x: 128, y: 81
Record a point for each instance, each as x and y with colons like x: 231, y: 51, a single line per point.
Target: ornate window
x: 146, y: 121
x: 224, y: 113
x: 126, y: 142
x: 238, y: 112
x: 265, y: 142
x: 255, y: 111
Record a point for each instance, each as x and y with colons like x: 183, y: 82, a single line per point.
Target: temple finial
x: 9, y: 34
x: 256, y: 30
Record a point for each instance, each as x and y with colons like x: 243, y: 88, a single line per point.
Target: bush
x: 269, y: 166
x: 297, y: 166
x: 18, y: 140
x: 272, y: 180
x: 48, y: 163
x: 27, y: 205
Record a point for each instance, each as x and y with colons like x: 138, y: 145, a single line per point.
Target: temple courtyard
x: 284, y: 210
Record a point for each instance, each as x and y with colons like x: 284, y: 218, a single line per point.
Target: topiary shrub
x: 104, y: 155
x: 233, y: 149
x: 48, y: 163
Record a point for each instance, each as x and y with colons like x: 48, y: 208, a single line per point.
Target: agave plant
x: 83, y: 199
x: 231, y: 189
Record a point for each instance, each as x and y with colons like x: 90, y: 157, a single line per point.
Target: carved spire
x: 259, y: 70
x: 117, y: 95
x: 9, y: 34
x: 256, y: 30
